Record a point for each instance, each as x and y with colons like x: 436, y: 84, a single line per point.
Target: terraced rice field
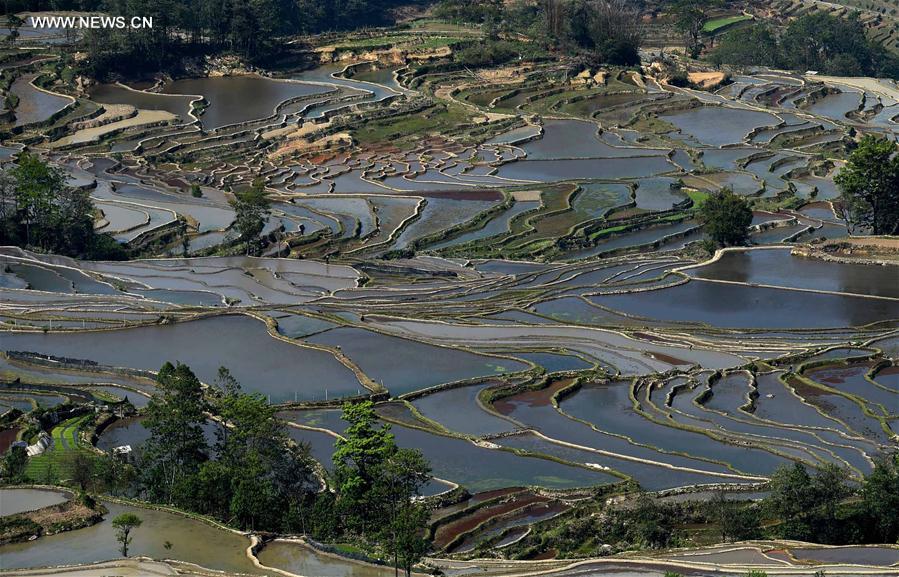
x: 510, y: 265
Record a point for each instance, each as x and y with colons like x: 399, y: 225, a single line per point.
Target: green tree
x: 175, y: 419
x: 403, y: 475
x: 252, y: 209
x: 358, y: 459
x: 266, y: 474
x: 736, y: 520
x: 689, y: 18
x: 749, y: 46
x: 82, y: 467
x: 114, y: 474
x: 124, y: 524
x: 869, y: 186
x: 13, y: 23
x: 38, y: 209
x: 646, y: 524
x: 37, y: 185
x: 409, y: 544
x: 726, y: 217
x: 14, y: 463
x: 830, y: 486
x: 880, y: 498
x: 807, y: 505
x: 791, y: 499
x: 831, y: 44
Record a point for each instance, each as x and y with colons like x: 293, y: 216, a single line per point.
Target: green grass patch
x: 55, y: 463
x: 712, y: 26
x: 697, y: 196
x: 607, y: 231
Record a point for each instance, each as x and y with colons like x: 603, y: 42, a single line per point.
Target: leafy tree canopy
x: 726, y: 217
x: 869, y: 184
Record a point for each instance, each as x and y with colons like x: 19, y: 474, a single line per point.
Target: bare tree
x: 554, y: 11
x: 617, y: 20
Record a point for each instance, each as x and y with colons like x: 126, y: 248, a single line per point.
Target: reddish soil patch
x: 838, y: 375
x: 811, y: 394
x: 780, y: 554
x: 446, y: 533
x: 487, y: 495
x: 540, y: 398
x: 649, y: 337
x: 7, y: 438
x: 669, y: 359
x: 548, y: 554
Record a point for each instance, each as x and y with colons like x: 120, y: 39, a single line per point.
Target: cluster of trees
x: 374, y: 484
x: 689, y: 19
x: 250, y: 476
x: 825, y: 508
x: 248, y: 28
x: 253, y: 476
x: 820, y: 41
x: 821, y: 507
x: 39, y: 210
x: 599, y: 31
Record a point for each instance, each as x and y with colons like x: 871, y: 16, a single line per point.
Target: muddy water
x: 609, y: 407
x: 836, y: 106
x: 889, y: 378
x: 34, y: 105
x: 457, y: 460
x: 192, y: 541
x: 553, y: 362
x: 534, y: 410
x: 718, y: 126
x: 658, y: 194
x: 115, y: 94
x: 234, y: 99
x: 497, y: 225
x: 635, y: 238
x: 299, y: 559
x: 577, y: 139
x: 411, y: 365
x: 136, y: 399
x: 650, y: 477
x: 326, y: 74
x: 754, y: 307
x: 263, y: 364
x: 585, y: 168
x: 457, y: 410
x: 880, y: 556
x: 851, y: 379
x: 14, y: 501
x: 778, y: 267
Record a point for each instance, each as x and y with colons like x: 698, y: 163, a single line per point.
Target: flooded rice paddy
x: 555, y: 242
x: 13, y: 501
x: 192, y: 541
x: 281, y: 371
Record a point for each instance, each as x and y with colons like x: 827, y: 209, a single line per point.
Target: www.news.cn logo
x: 92, y: 22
